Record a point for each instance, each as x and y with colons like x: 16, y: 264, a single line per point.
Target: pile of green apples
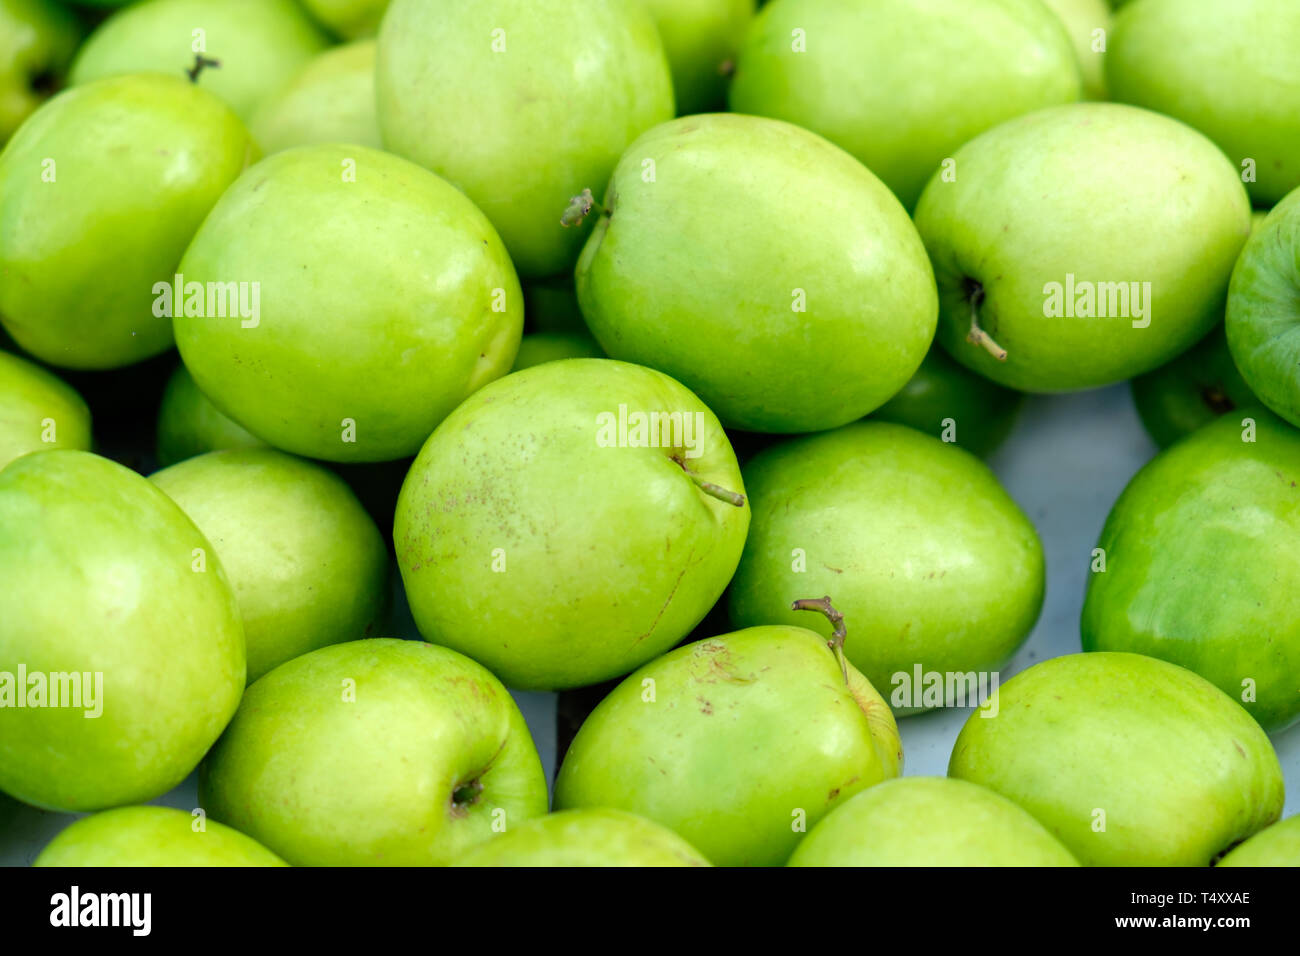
x: 670, y: 338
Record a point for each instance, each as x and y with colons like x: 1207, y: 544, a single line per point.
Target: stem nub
x: 201, y: 63
x: 710, y: 489
x: 579, y: 208
x: 977, y: 336
x: 836, y: 643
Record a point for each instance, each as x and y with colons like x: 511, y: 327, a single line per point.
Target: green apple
x: 1081, y: 245
x: 901, y: 84
x: 737, y: 743
x: 701, y: 38
x: 99, y: 193
x: 552, y: 346
x: 308, y: 566
x: 522, y: 104
x: 330, y: 100
x: 763, y: 267
x: 570, y: 522
x: 37, y: 41
x: 153, y: 836
x: 1278, y: 845
x: 378, y: 752
x: 930, y: 821
x: 1226, y: 67
x: 916, y: 541
x: 351, y: 350
x: 189, y: 424
x: 1127, y: 760
x: 119, y: 613
x: 38, y: 411
x: 1088, y: 23
x: 1224, y: 500
x: 258, y: 45
x: 595, y: 837
x: 348, y: 19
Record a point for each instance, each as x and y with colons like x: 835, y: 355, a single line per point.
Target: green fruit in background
x: 308, y: 566
x: 522, y: 104
x: 1127, y: 760
x: 701, y: 38
x: 1278, y: 845
x: 760, y: 239
x: 733, y: 741
x: 546, y: 535
x: 189, y: 424
x: 551, y: 305
x: 38, y: 411
x: 595, y: 837
x: 1202, y: 555
x: 259, y: 45
x: 930, y: 821
x: 1084, y: 244
x: 379, y: 753
x: 37, y: 41
x: 901, y: 84
x: 922, y: 550
x: 152, y: 836
x: 105, y: 576
x: 544, y: 347
x: 1082, y: 19
x: 1226, y: 67
x: 355, y: 352
x: 330, y: 100
x: 348, y: 19
x: 99, y: 193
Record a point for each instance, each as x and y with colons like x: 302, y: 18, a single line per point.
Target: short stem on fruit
x: 201, y: 63
x: 579, y: 208
x: 710, y: 489
x: 836, y: 643
x: 465, y: 795
x: 978, y: 336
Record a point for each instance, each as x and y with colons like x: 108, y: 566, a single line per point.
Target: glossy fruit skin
x: 901, y: 84
x: 1278, y: 845
x: 1179, y: 769
x: 551, y: 559
x: 1184, y: 58
x: 1024, y: 211
x: 37, y: 41
x: 543, y: 347
x: 330, y: 100
x: 927, y: 557
x: 322, y: 781
x: 594, y: 837
x: 762, y: 239
x: 743, y: 731
x: 701, y: 38
x: 100, y: 576
x: 138, y: 162
x: 1082, y: 18
x: 35, y: 404
x: 348, y: 19
x: 152, y: 836
x: 1211, y: 505
x: 929, y: 821
x: 189, y: 424
x: 521, y: 130
x: 348, y: 330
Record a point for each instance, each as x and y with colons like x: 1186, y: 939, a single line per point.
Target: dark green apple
x: 37, y: 41
x: 701, y: 38
x: 189, y: 424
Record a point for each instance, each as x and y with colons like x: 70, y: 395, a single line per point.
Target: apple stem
x: 579, y: 208
x: 710, y: 489
x: 978, y: 336
x: 201, y: 62
x: 836, y: 643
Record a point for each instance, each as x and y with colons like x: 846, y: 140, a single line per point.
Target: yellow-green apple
x: 153, y: 836
x: 38, y: 411
x: 189, y: 424
x: 1088, y: 24
x: 594, y: 837
x: 330, y: 100
x: 37, y: 41
x: 1278, y: 845
x: 348, y: 19
x: 701, y: 38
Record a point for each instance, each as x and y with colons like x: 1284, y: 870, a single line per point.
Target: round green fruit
x: 347, y: 18
x: 37, y: 41
x: 596, y: 837
x: 153, y: 836
x: 38, y: 411
x: 701, y: 38
x: 330, y: 100
x: 543, y: 347
x: 1088, y: 24
x: 1278, y: 845
x: 189, y: 424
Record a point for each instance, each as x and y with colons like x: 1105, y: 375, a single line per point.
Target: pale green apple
x: 38, y: 411
x: 37, y: 41
x: 901, y: 84
x: 99, y: 193
x: 763, y: 267
x: 1127, y: 760
x: 308, y: 565
x: 374, y: 753
x: 559, y: 526
x: 257, y: 45
x: 1081, y: 245
x: 348, y: 19
x: 330, y: 100
x: 1226, y: 67
x: 552, y: 346
x: 701, y: 38
x: 153, y: 836
x: 1278, y: 845
x: 595, y: 837
x: 522, y: 104
x: 189, y: 424
x: 930, y: 821
x: 914, y: 539
x: 115, y: 601
x: 380, y: 298
x: 1088, y: 24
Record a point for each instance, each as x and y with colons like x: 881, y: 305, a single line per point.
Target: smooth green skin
x: 98, y: 572
x: 152, y: 836
x: 744, y: 730
x: 1263, y: 317
x: 348, y: 19
x: 37, y: 41
x: 612, y: 554
x: 928, y: 558
x: 982, y: 413
x: 706, y: 261
x: 930, y: 821
x: 1203, y: 564
x: 260, y: 44
x: 1179, y: 769
x: 326, y: 782
x: 594, y: 837
x: 349, y: 329
x: 701, y: 38
x: 1107, y: 193
x: 901, y: 84
x: 543, y: 347
x: 330, y: 100
x: 1225, y: 67
x: 524, y: 130
x: 1081, y: 18
x: 139, y: 161
x: 308, y: 565
x: 31, y: 397
x: 189, y: 424
x: 1278, y: 845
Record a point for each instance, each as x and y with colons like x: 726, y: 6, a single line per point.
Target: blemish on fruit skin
x: 1239, y: 750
